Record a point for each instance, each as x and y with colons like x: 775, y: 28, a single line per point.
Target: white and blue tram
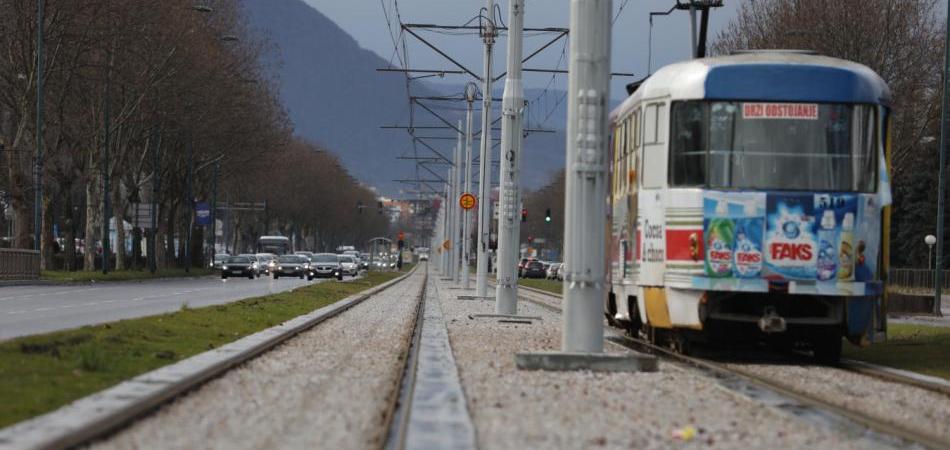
x: 749, y: 199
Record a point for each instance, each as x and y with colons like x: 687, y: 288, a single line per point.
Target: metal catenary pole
x: 38, y: 164
x: 467, y: 215
x: 585, y: 212
x: 458, y: 167
x: 509, y: 217
x: 484, y: 172
x: 941, y: 182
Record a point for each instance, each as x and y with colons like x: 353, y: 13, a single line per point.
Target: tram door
x: 651, y: 201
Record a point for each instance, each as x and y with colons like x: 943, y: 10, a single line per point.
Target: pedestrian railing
x: 916, y: 279
x: 18, y: 264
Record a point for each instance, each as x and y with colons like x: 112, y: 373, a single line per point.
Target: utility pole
x: 466, y: 215
x: 509, y: 225
x: 484, y: 173
x: 941, y: 172
x: 38, y: 164
x: 457, y: 168
x: 106, y: 203
x: 585, y: 214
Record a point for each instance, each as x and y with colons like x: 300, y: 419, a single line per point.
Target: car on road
x: 551, y: 273
x: 561, y: 271
x: 266, y: 262
x: 349, y: 265
x: 326, y: 265
x: 238, y: 266
x: 255, y: 262
x: 309, y: 255
x: 534, y: 269
x: 292, y: 266
x: 219, y: 260
x: 364, y: 261
x: 522, y: 265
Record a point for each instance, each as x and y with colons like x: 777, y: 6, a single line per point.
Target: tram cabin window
x: 774, y: 146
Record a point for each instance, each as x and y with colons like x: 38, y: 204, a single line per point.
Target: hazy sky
x: 365, y: 21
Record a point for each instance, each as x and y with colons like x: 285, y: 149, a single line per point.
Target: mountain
x: 336, y: 98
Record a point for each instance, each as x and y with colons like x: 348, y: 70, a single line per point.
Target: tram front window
x: 773, y: 146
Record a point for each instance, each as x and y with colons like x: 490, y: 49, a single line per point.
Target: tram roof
x: 765, y: 76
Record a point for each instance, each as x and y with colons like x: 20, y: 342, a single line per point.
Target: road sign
x: 202, y: 214
x: 142, y: 215
x: 467, y: 201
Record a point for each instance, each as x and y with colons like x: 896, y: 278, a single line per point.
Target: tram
x: 749, y: 201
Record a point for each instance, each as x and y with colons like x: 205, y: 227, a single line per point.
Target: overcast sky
x: 365, y: 21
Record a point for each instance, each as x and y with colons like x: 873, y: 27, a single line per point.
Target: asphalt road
x: 26, y: 310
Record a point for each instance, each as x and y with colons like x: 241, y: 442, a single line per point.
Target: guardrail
x: 19, y: 264
x: 916, y: 279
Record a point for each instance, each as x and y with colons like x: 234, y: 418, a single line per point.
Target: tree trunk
x: 118, y: 211
x: 92, y: 224
x: 46, y: 230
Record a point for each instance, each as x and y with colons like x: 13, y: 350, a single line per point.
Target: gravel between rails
x: 912, y: 407
x: 326, y: 388
x: 521, y: 409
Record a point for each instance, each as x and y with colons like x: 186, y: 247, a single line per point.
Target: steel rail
x: 873, y: 424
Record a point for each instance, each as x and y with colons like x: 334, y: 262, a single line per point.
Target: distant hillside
x: 335, y: 97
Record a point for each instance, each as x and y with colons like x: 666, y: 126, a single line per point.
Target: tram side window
x: 688, y: 144
x: 653, y: 175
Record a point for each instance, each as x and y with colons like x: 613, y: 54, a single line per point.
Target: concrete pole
x: 456, y: 222
x: 444, y: 230
x: 585, y: 209
x: 941, y: 171
x: 485, y: 158
x: 467, y: 215
x: 509, y: 218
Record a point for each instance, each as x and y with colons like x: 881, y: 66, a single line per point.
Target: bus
x: 749, y: 200
x: 278, y: 245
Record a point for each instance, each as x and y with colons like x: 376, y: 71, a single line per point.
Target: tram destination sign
x: 794, y: 111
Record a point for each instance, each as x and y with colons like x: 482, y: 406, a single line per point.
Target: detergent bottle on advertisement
x: 720, y: 235
x: 846, y: 248
x: 827, y: 247
x: 748, y: 254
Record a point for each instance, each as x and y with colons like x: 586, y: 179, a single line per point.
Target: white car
x: 349, y: 265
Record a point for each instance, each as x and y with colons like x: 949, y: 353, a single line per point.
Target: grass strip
x: 121, y: 275
x: 918, y: 348
x: 41, y: 373
x: 553, y: 286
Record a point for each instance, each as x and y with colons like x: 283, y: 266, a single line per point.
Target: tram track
x: 783, y: 395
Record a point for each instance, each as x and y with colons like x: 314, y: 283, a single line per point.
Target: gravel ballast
x: 329, y: 387
x: 524, y: 409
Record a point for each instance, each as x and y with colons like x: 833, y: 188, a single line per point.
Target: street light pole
x: 466, y: 215
x: 506, y: 295
x: 189, y: 204
x: 38, y: 164
x: 212, y: 240
x: 941, y: 182
x: 106, y: 201
x: 484, y: 172
x: 585, y: 212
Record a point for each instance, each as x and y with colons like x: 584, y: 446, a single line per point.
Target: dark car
x: 534, y: 269
x: 326, y: 265
x: 292, y: 266
x: 238, y: 266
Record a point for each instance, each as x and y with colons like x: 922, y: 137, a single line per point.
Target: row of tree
x: 147, y: 94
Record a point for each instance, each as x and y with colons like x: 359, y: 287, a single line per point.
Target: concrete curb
x: 105, y: 411
x: 12, y: 283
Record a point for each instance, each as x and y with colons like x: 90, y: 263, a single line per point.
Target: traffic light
x: 547, y: 215
x: 524, y: 215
